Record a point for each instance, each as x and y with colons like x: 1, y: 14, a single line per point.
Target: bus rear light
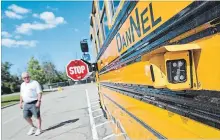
x: 176, y: 71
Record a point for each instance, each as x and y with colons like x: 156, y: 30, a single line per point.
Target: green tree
x: 64, y: 76
x: 5, y: 74
x: 52, y: 75
x: 50, y: 71
x: 10, y: 83
x: 35, y: 70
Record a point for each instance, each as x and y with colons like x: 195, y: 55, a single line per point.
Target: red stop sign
x: 77, y: 70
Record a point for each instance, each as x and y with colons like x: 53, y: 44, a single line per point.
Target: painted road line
x: 94, y: 132
x: 94, y: 102
x: 95, y: 106
x: 98, y: 116
x: 97, y: 110
x: 103, y: 123
x: 112, y: 135
x: 10, y: 120
x: 109, y: 136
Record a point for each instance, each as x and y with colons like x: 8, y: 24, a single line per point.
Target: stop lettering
x: 77, y: 70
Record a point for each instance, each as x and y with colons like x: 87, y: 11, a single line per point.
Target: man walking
x: 30, y: 94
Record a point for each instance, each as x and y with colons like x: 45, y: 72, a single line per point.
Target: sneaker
x: 38, y: 132
x: 31, y: 131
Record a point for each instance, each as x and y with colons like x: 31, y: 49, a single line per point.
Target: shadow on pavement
x: 60, y: 124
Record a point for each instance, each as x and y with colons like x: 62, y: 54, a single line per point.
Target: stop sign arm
x: 92, y: 66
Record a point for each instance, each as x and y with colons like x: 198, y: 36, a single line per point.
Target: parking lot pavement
x: 65, y: 115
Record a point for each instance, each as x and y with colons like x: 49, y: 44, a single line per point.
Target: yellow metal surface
x: 157, y: 62
x: 128, y: 123
x: 142, y: 14
x: 139, y: 72
x: 182, y: 47
x: 115, y: 126
x: 191, y: 32
x: 169, y: 124
x: 206, y: 71
x: 207, y: 63
x: 134, y: 73
x: 170, y: 48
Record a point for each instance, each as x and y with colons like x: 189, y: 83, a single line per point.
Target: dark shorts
x: 31, y: 109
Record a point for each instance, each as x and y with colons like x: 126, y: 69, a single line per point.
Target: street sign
x: 86, y: 57
x: 77, y: 70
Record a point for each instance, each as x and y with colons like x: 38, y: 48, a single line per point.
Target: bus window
x: 101, y: 4
x: 115, y: 4
x: 99, y: 39
x: 104, y: 22
x: 96, y: 23
x: 91, y: 38
x: 91, y: 21
x: 97, y: 48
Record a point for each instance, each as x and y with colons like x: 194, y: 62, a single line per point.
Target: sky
x: 49, y: 31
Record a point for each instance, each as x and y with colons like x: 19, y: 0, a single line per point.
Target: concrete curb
x: 9, y: 105
x: 50, y: 90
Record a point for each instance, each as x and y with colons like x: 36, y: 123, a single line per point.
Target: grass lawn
x: 8, y: 100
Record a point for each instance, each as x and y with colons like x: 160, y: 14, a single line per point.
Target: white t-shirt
x: 29, y: 91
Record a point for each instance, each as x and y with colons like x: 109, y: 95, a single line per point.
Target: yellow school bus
x: 158, y: 67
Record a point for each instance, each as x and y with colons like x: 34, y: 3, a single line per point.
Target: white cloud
x: 50, y: 18
x: 26, y: 28
x: 17, y: 37
x: 18, y: 9
x: 50, y: 21
x: 54, y: 9
x: 6, y: 34
x: 12, y: 15
x: 35, y: 15
x: 10, y: 43
x: 76, y: 30
x: 47, y: 16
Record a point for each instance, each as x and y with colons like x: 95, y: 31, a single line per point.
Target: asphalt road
x: 65, y: 116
